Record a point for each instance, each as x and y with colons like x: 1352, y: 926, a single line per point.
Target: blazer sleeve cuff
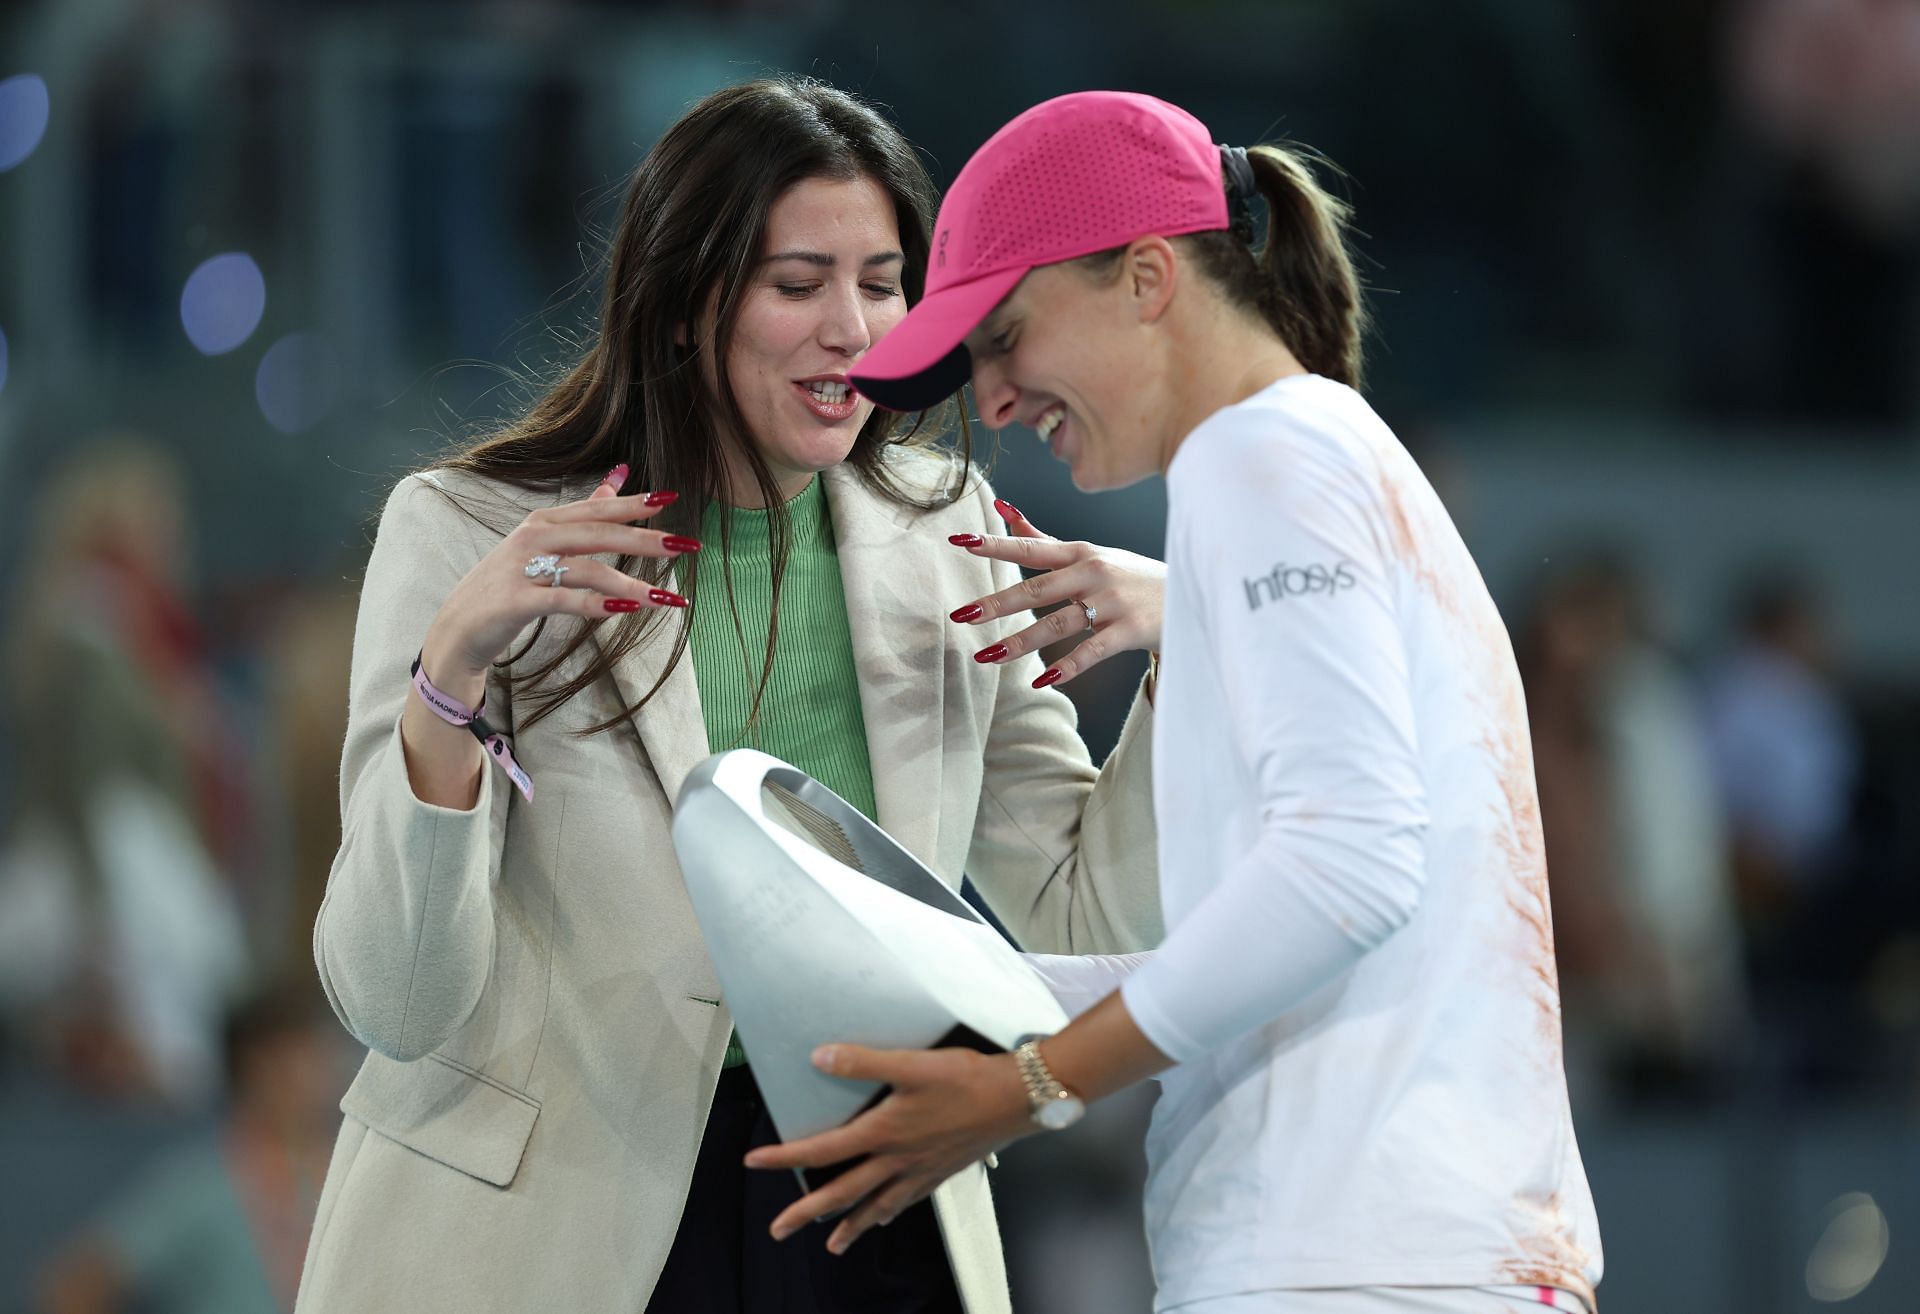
x: 404, y: 935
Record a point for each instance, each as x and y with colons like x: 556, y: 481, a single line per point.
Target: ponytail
x: 1300, y: 278
x: 1307, y: 288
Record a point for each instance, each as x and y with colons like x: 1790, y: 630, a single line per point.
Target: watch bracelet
x: 1042, y: 1086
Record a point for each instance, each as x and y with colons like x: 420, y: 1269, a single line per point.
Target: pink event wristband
x: 454, y: 712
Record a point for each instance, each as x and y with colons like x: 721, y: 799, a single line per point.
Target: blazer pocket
x: 446, y: 1111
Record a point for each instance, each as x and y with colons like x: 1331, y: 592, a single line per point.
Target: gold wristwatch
x: 1051, y: 1105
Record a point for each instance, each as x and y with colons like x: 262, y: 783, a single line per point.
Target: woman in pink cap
x: 1355, y: 1015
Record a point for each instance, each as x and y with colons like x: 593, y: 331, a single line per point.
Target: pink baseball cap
x: 1071, y: 176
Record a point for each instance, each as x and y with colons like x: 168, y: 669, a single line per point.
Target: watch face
x: 1061, y: 1113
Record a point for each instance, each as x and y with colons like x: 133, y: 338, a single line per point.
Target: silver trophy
x: 822, y: 928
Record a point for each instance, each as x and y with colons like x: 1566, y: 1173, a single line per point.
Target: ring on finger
x: 1092, y: 612
x: 547, y: 565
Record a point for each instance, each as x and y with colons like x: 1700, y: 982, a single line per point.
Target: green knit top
x: 810, y: 713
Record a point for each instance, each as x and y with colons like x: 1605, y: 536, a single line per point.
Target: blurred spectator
x: 1810, y: 231
x: 1788, y: 758
x: 119, y: 938
x: 1784, y: 748
x: 219, y: 1226
x: 1636, y: 852
x: 308, y: 654
x: 1837, y: 82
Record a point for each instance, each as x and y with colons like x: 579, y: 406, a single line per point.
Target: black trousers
x: 724, y: 1262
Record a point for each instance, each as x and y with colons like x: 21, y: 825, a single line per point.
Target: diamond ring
x: 1093, y: 613
x: 547, y: 564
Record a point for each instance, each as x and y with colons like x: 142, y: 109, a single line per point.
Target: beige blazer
x: 529, y: 977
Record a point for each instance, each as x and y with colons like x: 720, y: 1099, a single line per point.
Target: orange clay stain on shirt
x: 1551, y: 1258
x: 1548, y: 1255
x: 1524, y: 845
x: 1407, y: 546
x: 1521, y: 839
x: 1511, y: 757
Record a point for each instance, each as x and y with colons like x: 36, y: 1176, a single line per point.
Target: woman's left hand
x: 1124, y: 589
x: 948, y: 1108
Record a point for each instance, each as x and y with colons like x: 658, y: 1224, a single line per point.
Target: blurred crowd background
x: 1647, y: 284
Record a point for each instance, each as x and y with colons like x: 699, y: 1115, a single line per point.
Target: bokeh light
x: 1851, y: 1249
x: 23, y: 117
x: 296, y: 382
x: 222, y: 302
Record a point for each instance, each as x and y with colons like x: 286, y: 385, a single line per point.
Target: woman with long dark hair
x: 698, y: 539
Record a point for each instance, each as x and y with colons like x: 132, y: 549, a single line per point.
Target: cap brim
x: 924, y: 359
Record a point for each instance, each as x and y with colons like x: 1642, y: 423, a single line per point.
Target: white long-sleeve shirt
x: 1358, y: 977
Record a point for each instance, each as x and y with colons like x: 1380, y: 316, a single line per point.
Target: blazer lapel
x: 672, y: 727
x: 887, y: 569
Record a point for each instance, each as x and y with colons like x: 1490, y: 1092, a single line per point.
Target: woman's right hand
x: 497, y: 599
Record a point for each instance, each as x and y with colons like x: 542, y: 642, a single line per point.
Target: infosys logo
x: 1285, y: 581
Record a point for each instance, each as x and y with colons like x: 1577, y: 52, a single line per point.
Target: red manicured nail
x: 992, y: 654
x: 1047, y: 677
x: 680, y: 543
x: 969, y: 612
x: 1007, y: 510
x: 662, y: 499
x: 965, y: 540
x: 621, y: 604
x: 616, y: 476
x: 662, y: 598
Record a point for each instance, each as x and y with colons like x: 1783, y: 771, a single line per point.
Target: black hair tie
x: 1241, y: 189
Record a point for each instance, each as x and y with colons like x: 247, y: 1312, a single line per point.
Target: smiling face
x: 1075, y: 355
x: 827, y: 287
